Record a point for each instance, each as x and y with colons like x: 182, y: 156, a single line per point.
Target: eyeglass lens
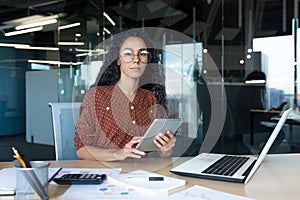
x: 127, y: 55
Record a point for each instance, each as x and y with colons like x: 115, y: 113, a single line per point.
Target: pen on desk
x: 18, y: 157
x: 29, y: 175
x: 53, y: 176
x: 149, y: 178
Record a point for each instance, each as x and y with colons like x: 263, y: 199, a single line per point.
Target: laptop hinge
x: 246, y: 173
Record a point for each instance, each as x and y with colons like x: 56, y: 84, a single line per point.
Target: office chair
x: 64, y: 117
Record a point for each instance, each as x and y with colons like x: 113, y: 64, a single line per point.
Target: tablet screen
x: 157, y: 126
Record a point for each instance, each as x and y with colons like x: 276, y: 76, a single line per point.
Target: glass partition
x: 238, y: 64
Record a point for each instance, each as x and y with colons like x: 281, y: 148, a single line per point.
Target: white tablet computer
x: 157, y: 126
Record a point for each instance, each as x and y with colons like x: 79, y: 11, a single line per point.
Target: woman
x: 116, y: 113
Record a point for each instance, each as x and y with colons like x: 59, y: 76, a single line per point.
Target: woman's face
x: 133, y: 58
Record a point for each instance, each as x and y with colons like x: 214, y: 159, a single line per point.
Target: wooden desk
x: 277, y: 178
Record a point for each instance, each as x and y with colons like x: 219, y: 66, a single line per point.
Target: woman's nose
x: 136, y: 58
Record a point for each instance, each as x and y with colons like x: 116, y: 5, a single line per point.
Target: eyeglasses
x: 127, y: 55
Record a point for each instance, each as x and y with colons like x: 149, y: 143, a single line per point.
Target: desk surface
x: 258, y: 111
x: 277, y: 178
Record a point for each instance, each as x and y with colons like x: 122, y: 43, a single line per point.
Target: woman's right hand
x: 129, y: 150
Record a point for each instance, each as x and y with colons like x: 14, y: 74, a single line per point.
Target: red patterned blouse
x: 109, y: 120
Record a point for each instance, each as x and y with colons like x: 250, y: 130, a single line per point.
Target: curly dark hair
x: 153, y: 78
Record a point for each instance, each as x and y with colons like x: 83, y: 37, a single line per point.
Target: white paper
x: 7, y: 191
x: 8, y: 178
x: 111, y: 189
x: 140, y: 179
x: 197, y: 192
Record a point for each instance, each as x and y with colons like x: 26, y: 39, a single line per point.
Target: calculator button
x: 82, y: 176
x: 88, y: 176
x: 93, y: 175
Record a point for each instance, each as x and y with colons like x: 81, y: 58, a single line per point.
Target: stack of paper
x: 132, y: 186
x: 7, y: 191
x: 7, y: 182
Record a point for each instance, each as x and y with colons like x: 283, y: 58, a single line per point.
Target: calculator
x: 84, y: 179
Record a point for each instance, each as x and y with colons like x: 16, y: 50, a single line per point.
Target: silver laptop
x: 228, y: 167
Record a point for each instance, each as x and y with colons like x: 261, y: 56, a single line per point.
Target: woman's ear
x: 118, y: 62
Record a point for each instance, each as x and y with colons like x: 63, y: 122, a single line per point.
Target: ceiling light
x: 255, y: 81
x: 106, y: 30
x: 23, y: 31
x: 26, y: 46
x: 91, y: 53
x: 54, y: 62
x: 109, y: 19
x: 70, y: 43
x: 20, y: 46
x: 7, y: 45
x: 36, y: 48
x: 69, y: 26
x: 31, y: 19
x: 35, y: 24
x: 82, y: 54
x: 89, y: 50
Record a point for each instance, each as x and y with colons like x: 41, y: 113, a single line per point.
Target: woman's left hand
x: 165, y: 142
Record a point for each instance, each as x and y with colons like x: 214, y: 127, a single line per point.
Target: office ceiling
x: 271, y: 17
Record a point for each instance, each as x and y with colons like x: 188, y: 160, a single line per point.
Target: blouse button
x: 107, y: 108
x: 132, y: 107
x: 133, y: 121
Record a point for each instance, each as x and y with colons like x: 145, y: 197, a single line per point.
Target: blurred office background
x: 245, y: 49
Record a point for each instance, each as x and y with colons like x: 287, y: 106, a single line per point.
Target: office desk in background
x: 291, y: 122
x: 261, y: 113
x: 272, y: 116
x: 277, y: 178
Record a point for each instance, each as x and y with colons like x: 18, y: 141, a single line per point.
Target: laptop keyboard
x: 226, y: 165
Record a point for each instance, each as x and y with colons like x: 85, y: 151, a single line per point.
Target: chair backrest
x: 64, y: 117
